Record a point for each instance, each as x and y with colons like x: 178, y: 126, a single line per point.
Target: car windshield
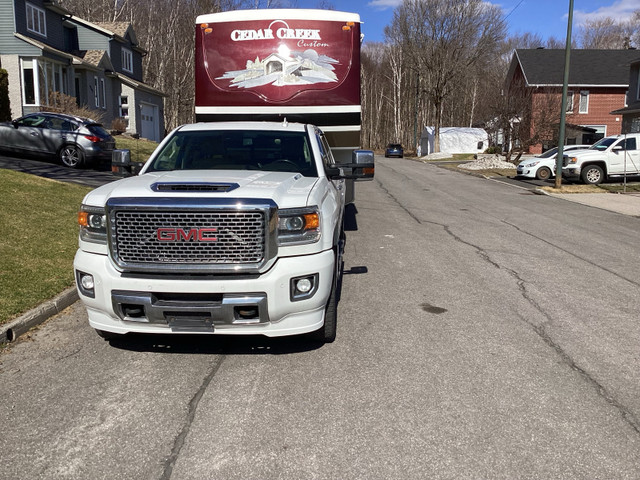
x: 236, y: 150
x: 603, y: 144
x: 549, y: 153
x: 395, y: 146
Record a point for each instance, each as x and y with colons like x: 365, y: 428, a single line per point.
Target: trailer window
x: 237, y: 150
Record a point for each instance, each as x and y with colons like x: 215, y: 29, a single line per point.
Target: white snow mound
x: 487, y: 162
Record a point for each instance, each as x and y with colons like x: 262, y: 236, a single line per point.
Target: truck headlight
x: 573, y: 159
x: 298, y: 226
x: 93, y: 224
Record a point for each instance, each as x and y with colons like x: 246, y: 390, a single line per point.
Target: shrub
x: 61, y: 103
x: 5, y: 108
x: 493, y: 150
x: 119, y: 124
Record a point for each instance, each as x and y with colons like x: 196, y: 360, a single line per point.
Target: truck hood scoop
x: 205, y: 187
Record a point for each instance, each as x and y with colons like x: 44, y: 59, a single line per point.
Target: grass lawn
x: 141, y: 149
x: 40, y: 237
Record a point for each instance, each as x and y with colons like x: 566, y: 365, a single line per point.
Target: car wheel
x: 109, y: 335
x: 592, y: 175
x: 543, y: 173
x: 71, y: 156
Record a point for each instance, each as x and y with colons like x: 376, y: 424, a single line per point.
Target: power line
x: 513, y: 9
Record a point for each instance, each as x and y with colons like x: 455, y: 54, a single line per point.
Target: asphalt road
x: 484, y: 332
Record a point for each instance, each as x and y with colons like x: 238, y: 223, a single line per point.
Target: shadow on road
x: 216, y: 344
x: 49, y: 168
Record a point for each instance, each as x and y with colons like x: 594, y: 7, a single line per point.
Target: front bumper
x: 194, y: 304
x: 571, y: 173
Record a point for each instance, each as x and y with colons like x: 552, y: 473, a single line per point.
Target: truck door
x: 631, y: 156
x: 624, y: 157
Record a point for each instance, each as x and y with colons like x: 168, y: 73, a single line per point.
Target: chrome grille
x: 201, y: 238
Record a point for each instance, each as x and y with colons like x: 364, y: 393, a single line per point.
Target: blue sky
x: 548, y: 18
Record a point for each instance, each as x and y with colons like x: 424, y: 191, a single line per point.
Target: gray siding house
x: 631, y: 112
x: 46, y: 49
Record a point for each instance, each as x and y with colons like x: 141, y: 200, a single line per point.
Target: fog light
x: 304, y: 285
x: 87, y: 282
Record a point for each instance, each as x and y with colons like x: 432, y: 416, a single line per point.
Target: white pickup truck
x: 231, y: 228
x: 611, y: 156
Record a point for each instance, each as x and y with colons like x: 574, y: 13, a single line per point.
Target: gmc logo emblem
x: 182, y: 235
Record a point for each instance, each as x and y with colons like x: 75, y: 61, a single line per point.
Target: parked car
x: 543, y: 166
x: 394, y: 150
x: 75, y: 141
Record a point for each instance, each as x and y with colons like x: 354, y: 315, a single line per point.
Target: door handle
x: 33, y: 134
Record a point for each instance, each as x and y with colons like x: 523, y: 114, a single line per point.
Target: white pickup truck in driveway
x: 232, y: 228
x: 610, y: 157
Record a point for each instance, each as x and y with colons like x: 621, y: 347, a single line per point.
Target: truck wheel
x: 108, y: 335
x: 327, y: 333
x: 543, y: 173
x: 592, y: 175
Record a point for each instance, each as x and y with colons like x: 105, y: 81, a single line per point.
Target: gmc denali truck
x: 230, y: 228
x: 609, y: 157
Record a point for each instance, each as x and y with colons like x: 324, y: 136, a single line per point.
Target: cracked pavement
x: 492, y: 334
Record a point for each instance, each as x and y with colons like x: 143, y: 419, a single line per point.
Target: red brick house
x: 598, y: 84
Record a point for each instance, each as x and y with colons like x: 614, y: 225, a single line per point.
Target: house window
x: 124, y: 106
x: 96, y: 94
x: 569, y: 102
x: 28, y: 83
x: 127, y: 60
x: 36, y: 20
x: 584, y: 101
x: 103, y: 94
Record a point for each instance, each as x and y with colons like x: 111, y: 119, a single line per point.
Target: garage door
x: 149, y: 125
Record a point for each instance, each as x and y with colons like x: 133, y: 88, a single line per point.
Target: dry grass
x: 574, y: 189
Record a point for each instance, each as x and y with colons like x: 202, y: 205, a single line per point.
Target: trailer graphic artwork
x: 247, y: 60
x: 285, y: 68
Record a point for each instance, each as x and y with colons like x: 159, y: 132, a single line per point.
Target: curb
x: 12, y: 330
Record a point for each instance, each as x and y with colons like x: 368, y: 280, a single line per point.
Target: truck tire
x: 327, y: 333
x: 592, y: 175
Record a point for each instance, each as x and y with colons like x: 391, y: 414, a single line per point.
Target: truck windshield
x: 275, y: 151
x: 603, y: 144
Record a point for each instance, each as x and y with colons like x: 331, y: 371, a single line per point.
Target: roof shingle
x: 586, y: 67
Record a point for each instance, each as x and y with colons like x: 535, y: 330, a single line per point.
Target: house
x: 598, y: 84
x: 46, y: 49
x: 631, y: 112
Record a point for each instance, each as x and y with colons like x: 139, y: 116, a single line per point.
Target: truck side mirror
x: 121, y: 163
x: 362, y: 167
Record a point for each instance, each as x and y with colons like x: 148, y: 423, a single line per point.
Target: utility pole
x: 563, y: 111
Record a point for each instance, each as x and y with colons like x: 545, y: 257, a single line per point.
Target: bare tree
x: 610, y: 33
x: 443, y: 39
